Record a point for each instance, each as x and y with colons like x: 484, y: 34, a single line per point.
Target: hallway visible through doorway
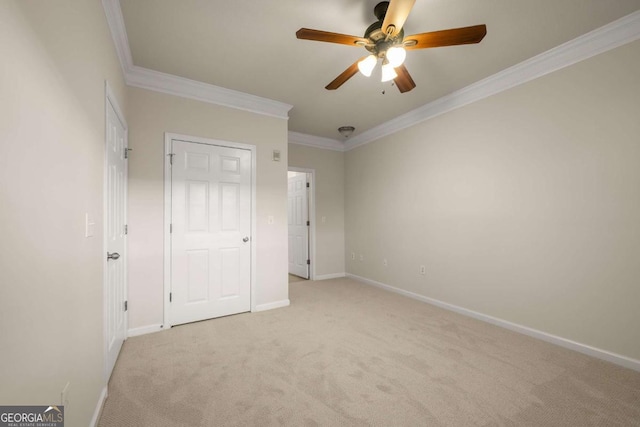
x: 299, y: 223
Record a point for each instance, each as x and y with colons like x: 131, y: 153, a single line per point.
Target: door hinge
x: 308, y: 262
x: 170, y: 158
x: 126, y: 152
x: 308, y: 185
x: 308, y: 223
x: 170, y: 228
x: 126, y: 305
x: 170, y: 296
x: 126, y: 229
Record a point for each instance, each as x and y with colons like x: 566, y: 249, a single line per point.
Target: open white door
x: 298, y: 213
x: 210, y: 231
x: 115, y: 233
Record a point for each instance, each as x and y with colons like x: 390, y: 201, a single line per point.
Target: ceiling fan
x: 385, y: 40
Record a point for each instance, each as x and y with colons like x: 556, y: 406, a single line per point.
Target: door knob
x: 114, y: 256
x: 246, y: 239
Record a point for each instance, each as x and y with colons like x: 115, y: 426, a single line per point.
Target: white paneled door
x: 115, y: 236
x: 210, y: 231
x: 298, y: 213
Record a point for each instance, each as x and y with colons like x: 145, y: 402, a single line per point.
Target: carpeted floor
x: 294, y: 278
x: 348, y: 354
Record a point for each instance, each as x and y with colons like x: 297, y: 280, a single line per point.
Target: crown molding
x: 179, y: 86
x: 315, y: 141
x: 115, y: 20
x: 603, y: 39
x: 617, y: 33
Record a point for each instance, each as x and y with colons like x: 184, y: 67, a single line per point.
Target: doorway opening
x: 301, y: 224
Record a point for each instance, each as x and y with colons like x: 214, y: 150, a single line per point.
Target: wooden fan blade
x: 397, y: 13
x: 404, y: 81
x: 452, y: 37
x: 325, y: 36
x: 346, y: 75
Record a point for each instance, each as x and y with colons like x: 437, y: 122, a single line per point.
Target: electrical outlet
x: 384, y: 262
x: 423, y: 270
x: 353, y: 255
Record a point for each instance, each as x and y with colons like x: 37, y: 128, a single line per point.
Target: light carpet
x: 294, y: 278
x: 347, y: 354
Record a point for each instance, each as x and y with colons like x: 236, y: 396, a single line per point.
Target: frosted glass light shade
x: 367, y: 64
x: 396, y: 55
x: 388, y: 73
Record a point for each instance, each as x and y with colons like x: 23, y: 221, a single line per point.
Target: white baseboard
x: 329, y: 276
x: 271, y: 305
x: 618, y: 359
x: 144, y: 330
x: 99, y: 406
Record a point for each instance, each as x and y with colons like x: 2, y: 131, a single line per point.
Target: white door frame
x: 312, y: 216
x: 111, y: 101
x: 168, y: 137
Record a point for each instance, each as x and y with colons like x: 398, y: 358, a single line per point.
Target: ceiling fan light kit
x: 385, y: 40
x: 367, y: 65
x: 396, y: 56
x: 392, y: 57
x: 388, y: 72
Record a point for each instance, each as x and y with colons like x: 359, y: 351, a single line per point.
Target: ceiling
x: 250, y: 46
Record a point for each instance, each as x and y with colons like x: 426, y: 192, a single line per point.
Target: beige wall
x: 56, y: 57
x: 329, y: 174
x: 153, y: 114
x: 523, y: 206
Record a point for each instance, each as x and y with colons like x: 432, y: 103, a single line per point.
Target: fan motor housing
x: 379, y: 41
x: 381, y: 10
